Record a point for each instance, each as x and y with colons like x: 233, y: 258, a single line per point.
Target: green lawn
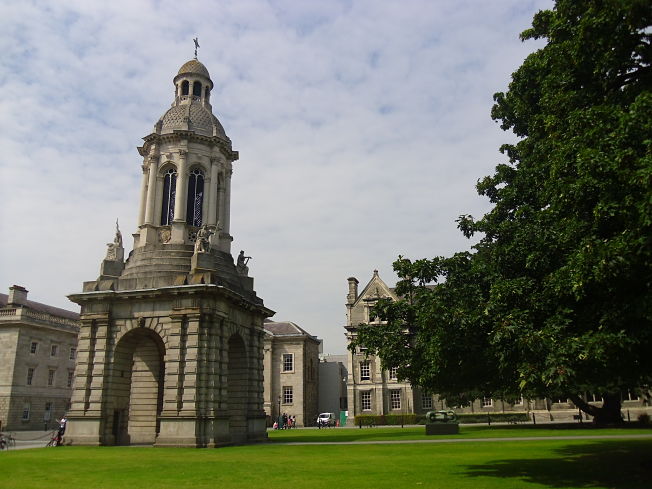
x: 616, y: 464
x: 467, y: 431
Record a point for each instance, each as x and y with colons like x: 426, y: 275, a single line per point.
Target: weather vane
x: 196, y: 40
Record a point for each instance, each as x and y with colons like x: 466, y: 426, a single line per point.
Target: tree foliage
x: 555, y: 297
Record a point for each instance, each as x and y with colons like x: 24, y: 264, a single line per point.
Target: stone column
x: 182, y: 188
x: 143, y: 197
x: 227, y: 201
x: 151, y: 191
x: 179, y: 222
x: 212, y: 196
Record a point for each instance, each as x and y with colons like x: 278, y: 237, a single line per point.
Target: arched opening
x: 136, y: 389
x: 195, y: 198
x: 237, y: 389
x: 185, y: 87
x: 169, y: 192
x: 207, y: 94
x: 196, y: 89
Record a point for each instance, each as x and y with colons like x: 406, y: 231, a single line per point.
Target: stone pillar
x: 212, y: 196
x: 182, y: 188
x: 227, y: 201
x: 143, y: 197
x: 151, y: 191
x: 86, y: 419
x: 179, y: 222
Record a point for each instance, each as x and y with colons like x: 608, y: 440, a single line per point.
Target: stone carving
x: 164, y: 235
x: 202, y: 243
x: 115, y: 250
x: 241, y: 265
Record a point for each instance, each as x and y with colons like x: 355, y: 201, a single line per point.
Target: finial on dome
x: 196, y: 41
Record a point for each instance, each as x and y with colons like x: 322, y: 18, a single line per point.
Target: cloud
x: 362, y: 128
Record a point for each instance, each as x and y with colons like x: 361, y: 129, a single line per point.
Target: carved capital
x: 183, y: 153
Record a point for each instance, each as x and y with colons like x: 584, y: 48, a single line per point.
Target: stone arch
x: 196, y: 89
x: 195, y: 196
x: 167, y: 188
x: 237, y: 388
x: 135, y: 390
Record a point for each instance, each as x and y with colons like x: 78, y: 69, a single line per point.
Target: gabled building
x: 370, y: 389
x: 291, y: 372
x: 38, y: 346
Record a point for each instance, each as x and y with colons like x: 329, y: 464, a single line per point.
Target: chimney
x: 353, y: 290
x: 17, y: 296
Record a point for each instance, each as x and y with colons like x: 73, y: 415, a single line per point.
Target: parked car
x: 325, y: 420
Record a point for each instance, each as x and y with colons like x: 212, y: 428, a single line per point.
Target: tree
x: 554, y: 299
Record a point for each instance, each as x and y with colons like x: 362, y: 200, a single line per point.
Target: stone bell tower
x: 171, y: 345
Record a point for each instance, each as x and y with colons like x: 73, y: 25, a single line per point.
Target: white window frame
x: 365, y: 367
x: 285, y: 363
x: 365, y: 400
x: 487, y: 402
x: 51, y: 376
x: 288, y: 394
x: 33, y: 347
x: 393, y: 373
x: 426, y: 401
x: 395, y: 399
x: 54, y: 350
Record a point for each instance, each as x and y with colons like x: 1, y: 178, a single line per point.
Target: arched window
x: 185, y: 87
x: 195, y: 198
x: 207, y: 93
x: 196, y: 89
x: 169, y: 191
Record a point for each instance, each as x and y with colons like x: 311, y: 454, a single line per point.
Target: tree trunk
x: 609, y: 413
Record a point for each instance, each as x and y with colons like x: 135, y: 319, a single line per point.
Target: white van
x: 325, y: 419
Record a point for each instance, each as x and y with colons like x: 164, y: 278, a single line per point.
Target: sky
x: 362, y: 128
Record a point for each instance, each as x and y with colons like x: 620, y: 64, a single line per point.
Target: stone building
x: 171, y: 342
x: 372, y: 390
x: 291, y: 365
x: 38, y: 346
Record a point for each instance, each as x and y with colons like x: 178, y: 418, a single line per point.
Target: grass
x: 595, y: 464
x: 468, y: 431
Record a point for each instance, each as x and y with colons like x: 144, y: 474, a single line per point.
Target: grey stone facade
x: 171, y: 341
x: 291, y: 363
x: 38, y: 345
x: 371, y: 390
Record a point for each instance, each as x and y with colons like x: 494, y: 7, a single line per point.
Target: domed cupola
x: 191, y: 109
x: 187, y: 165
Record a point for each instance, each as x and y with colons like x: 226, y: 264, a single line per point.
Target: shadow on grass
x: 609, y: 464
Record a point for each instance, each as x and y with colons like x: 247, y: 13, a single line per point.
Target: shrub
x: 644, y: 419
x: 388, y: 419
x: 493, y: 417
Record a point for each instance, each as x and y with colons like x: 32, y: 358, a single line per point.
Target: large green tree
x: 555, y: 298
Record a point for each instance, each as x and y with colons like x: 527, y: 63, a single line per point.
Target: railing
x: 23, y: 313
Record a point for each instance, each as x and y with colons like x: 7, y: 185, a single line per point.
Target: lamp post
x: 279, y: 406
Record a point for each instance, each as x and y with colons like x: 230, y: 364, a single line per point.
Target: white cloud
x: 362, y: 128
